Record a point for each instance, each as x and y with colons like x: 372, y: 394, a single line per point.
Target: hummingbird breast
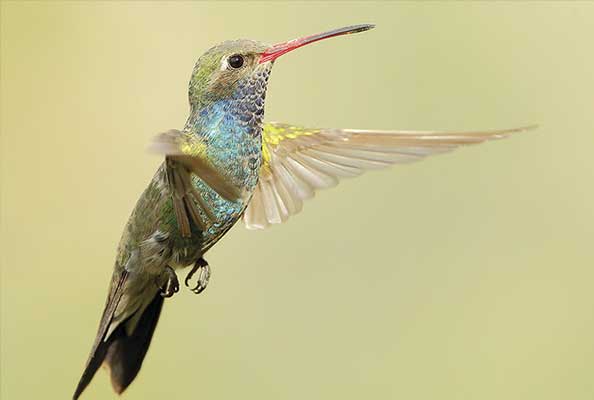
x: 231, y: 128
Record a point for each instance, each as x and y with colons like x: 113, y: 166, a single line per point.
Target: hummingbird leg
x: 203, y: 277
x: 167, y: 282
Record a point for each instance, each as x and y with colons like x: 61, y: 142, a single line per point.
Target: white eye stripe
x: 224, y: 63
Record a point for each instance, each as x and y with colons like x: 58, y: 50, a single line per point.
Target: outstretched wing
x: 185, y: 155
x: 298, y: 161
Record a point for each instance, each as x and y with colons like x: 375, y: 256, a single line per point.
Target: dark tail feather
x: 126, y: 353
x: 123, y: 353
x: 92, y: 366
x: 100, y: 346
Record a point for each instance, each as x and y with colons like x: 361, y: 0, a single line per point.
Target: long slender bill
x: 279, y: 49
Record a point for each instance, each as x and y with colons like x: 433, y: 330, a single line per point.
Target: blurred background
x: 466, y: 276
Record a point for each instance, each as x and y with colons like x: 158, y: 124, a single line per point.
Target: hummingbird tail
x: 126, y: 352
x: 122, y: 352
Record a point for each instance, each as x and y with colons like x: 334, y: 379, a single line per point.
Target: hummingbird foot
x: 202, y: 266
x: 168, y: 283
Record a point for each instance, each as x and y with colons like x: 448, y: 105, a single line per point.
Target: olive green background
x: 466, y: 276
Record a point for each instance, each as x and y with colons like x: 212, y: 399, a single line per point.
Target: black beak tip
x: 363, y: 28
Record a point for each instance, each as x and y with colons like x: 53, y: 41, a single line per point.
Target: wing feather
x: 254, y: 216
x: 184, y: 157
x: 299, y: 161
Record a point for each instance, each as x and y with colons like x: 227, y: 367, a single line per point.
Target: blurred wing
x: 298, y: 161
x: 184, y: 156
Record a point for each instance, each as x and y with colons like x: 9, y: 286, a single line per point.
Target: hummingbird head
x: 224, y: 68
x: 239, y: 69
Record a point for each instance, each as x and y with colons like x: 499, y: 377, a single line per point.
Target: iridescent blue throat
x: 231, y: 129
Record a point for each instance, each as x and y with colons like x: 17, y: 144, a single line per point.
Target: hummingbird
x: 226, y: 164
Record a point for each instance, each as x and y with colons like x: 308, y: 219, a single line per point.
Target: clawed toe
x: 203, y: 268
x: 169, y: 284
x: 171, y: 288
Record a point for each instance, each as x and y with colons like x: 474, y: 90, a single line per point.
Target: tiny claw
x: 171, y: 284
x: 203, y: 278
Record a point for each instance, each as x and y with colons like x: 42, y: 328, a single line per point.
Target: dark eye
x: 235, y: 61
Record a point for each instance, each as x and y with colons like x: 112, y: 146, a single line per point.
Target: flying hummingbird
x: 227, y: 164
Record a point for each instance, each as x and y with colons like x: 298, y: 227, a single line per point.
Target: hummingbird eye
x: 235, y: 61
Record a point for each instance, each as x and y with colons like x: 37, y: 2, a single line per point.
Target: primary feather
x: 299, y: 161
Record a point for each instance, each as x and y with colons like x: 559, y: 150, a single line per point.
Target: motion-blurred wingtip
x: 529, y: 127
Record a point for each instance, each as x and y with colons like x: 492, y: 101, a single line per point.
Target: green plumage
x: 222, y: 166
x: 227, y: 106
x: 211, y: 172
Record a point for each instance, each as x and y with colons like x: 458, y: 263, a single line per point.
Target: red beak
x: 279, y: 49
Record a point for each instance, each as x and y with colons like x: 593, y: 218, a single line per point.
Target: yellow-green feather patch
x: 274, y: 133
